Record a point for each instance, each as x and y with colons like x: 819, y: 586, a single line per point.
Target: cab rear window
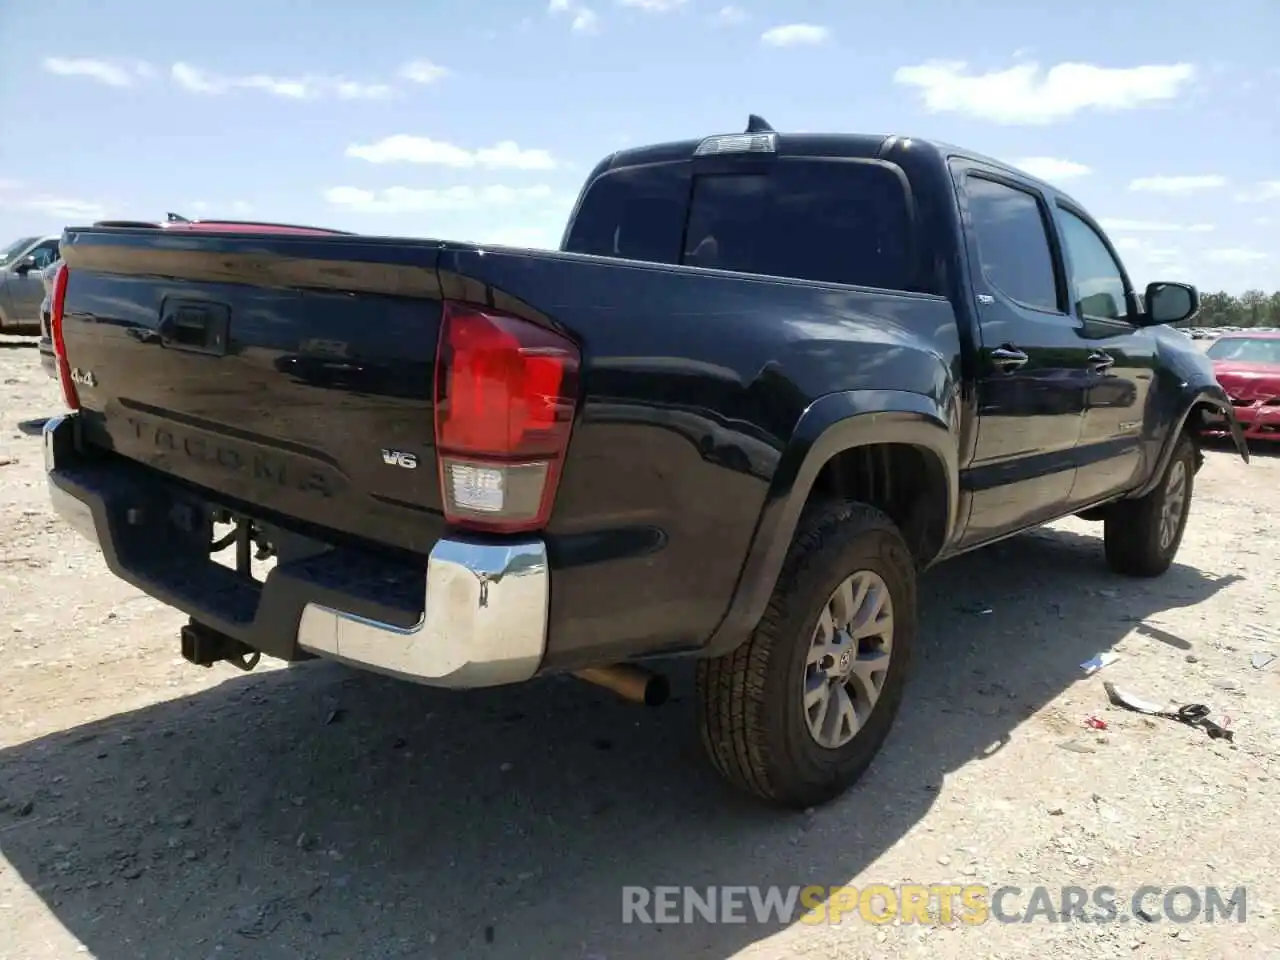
x: 824, y: 220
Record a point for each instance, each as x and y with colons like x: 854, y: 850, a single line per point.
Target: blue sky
x: 478, y: 120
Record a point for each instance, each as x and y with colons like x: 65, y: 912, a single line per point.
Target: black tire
x: 751, y: 701
x: 1132, y: 532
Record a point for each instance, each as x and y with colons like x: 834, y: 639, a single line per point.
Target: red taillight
x: 57, y: 301
x: 506, y: 390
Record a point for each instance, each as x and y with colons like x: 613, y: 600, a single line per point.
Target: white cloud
x: 56, y: 206
x: 189, y: 78
x: 1052, y: 169
x: 540, y: 236
x: 239, y: 208
x: 289, y: 88
x: 1023, y: 95
x: 355, y: 90
x: 1266, y: 190
x: 731, y: 15
x: 795, y: 34
x: 102, y: 71
x: 196, y: 80
x: 402, y: 148
x: 399, y: 200
x: 1236, y: 255
x: 67, y: 208
x: 1177, y: 184
x: 583, y: 18
x: 423, y: 71
x: 1143, y: 250
x: 1154, y: 226
x: 653, y: 6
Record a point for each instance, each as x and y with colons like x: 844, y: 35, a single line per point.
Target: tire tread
x: 1131, y: 535
x: 732, y: 688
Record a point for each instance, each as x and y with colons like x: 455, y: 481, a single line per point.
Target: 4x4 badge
x: 84, y: 378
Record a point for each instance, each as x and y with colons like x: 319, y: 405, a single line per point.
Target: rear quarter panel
x: 693, y: 383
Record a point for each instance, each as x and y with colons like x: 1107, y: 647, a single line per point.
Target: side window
x: 1097, y: 283
x: 1017, y: 258
x: 45, y: 254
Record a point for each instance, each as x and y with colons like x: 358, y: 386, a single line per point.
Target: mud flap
x: 1237, y: 434
x: 1224, y: 421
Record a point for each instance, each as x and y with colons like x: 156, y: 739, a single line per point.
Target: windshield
x: 831, y: 222
x: 1246, y: 349
x: 11, y: 252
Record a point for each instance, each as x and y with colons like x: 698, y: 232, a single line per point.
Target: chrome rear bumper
x: 484, y: 622
x: 484, y: 605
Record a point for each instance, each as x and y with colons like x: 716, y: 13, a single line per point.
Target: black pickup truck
x: 766, y: 382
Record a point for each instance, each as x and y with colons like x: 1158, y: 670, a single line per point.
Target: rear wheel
x: 799, y: 711
x: 1141, y: 537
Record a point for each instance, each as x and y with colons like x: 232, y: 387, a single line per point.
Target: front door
x: 26, y: 289
x: 1034, y: 369
x: 1122, y: 360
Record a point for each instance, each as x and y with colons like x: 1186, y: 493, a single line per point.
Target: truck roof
x: 823, y: 145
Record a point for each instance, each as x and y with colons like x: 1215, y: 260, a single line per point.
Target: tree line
x: 1253, y: 308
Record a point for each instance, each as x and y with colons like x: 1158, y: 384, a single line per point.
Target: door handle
x: 1008, y: 358
x: 1101, y: 361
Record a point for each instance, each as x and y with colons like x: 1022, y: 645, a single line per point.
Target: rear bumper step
x: 475, y: 616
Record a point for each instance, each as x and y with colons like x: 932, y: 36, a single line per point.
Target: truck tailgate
x: 289, y: 373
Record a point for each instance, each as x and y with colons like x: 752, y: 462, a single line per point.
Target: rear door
x: 1033, y: 367
x: 1121, y: 359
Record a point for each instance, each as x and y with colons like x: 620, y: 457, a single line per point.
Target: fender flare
x: 1211, y: 394
x: 832, y: 424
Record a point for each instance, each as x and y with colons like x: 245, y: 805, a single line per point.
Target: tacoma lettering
x: 262, y: 467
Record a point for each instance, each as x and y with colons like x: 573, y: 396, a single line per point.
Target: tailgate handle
x: 195, y: 326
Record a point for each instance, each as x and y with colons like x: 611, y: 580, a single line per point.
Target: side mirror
x: 1170, y: 303
x: 25, y: 266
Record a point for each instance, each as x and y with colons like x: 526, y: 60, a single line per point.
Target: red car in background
x: 1247, y: 364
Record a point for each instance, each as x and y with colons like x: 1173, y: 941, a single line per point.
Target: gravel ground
x: 150, y: 809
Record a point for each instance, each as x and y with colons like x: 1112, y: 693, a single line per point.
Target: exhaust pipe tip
x: 657, y: 691
x: 629, y: 681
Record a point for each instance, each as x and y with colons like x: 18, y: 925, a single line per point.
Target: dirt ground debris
x: 150, y: 809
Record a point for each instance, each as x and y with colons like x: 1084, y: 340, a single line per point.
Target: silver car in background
x: 21, y: 290
x: 46, y: 318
